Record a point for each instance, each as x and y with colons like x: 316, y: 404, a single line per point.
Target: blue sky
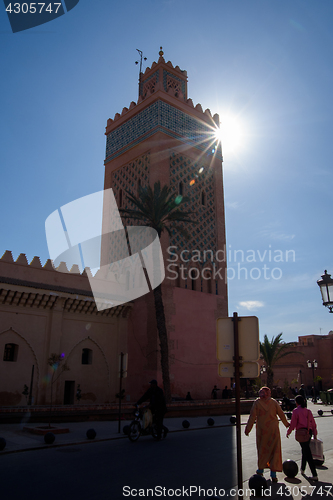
x: 264, y: 65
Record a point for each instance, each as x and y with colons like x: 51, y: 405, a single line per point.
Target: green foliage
x: 158, y: 208
x: 272, y: 351
x: 286, y: 387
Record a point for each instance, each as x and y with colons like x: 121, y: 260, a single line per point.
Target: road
x: 119, y: 469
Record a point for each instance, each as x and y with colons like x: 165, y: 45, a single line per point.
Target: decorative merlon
x: 36, y: 263
x: 7, y: 257
x: 22, y: 259
x: 48, y: 266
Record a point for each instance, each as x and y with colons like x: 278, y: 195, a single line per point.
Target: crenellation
x: 22, y: 259
x: 207, y: 112
x: 75, y: 269
x: 116, y: 117
x: 124, y: 111
x: 87, y: 272
x: 216, y: 119
x: 62, y: 268
x: 7, y: 257
x: 36, y: 263
x: 48, y: 266
x: 199, y: 107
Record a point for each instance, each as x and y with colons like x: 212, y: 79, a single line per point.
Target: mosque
x: 162, y: 137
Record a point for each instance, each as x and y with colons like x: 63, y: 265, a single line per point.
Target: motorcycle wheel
x: 134, y: 431
x: 154, y: 432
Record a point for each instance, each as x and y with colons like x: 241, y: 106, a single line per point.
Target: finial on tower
x: 161, y: 53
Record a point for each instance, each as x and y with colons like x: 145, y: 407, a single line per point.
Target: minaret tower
x: 164, y: 137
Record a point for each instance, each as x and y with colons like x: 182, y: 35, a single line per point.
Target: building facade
x: 161, y: 137
x: 45, y: 312
x: 292, y: 370
x: 164, y: 137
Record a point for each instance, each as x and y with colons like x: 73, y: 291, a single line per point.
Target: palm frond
x: 158, y: 208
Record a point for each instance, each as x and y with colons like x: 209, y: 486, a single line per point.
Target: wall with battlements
x: 44, y: 312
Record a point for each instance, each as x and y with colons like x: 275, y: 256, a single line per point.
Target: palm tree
x: 159, y: 209
x: 272, y: 351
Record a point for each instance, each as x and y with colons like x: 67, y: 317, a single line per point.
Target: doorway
x: 69, y: 392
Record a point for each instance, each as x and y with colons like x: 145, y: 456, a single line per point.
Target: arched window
x: 87, y: 356
x: 10, y: 352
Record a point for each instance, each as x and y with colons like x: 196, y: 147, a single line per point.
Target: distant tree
x: 272, y: 351
x: 58, y: 364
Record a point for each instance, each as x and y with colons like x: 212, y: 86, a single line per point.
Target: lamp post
x: 326, y: 288
x: 262, y: 371
x: 313, y: 364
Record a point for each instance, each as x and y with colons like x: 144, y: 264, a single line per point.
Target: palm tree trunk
x: 270, y: 376
x: 163, y: 337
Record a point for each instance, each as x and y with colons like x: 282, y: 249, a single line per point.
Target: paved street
x: 114, y: 468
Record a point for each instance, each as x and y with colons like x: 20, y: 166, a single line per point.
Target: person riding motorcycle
x: 157, y: 405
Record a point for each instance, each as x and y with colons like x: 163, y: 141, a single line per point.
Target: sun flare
x: 230, y: 134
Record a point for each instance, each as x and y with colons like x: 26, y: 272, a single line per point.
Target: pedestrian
x: 302, y: 392
x: 225, y: 393
x: 302, y: 420
x: 188, y: 397
x: 264, y: 413
x: 314, y: 395
x: 214, y: 392
x: 157, y: 405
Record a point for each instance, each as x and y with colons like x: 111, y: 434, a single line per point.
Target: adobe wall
x: 294, y: 366
x: 43, y: 311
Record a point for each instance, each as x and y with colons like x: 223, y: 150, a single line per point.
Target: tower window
x: 209, y: 283
x: 181, y: 189
x: 10, y: 352
x: 87, y: 356
x: 194, y: 275
x: 203, y: 198
x: 120, y: 198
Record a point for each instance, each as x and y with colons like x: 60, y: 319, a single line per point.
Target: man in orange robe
x: 265, y: 412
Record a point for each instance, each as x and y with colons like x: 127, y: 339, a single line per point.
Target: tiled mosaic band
x: 160, y: 116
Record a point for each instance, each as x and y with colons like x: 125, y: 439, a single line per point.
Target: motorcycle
x: 144, y: 425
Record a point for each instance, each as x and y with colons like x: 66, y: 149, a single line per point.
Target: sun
x: 231, y: 133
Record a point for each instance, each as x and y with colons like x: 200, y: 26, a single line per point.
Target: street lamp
x: 313, y: 364
x: 262, y: 371
x: 326, y: 288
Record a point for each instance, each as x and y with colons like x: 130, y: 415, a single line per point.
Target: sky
x: 265, y: 66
